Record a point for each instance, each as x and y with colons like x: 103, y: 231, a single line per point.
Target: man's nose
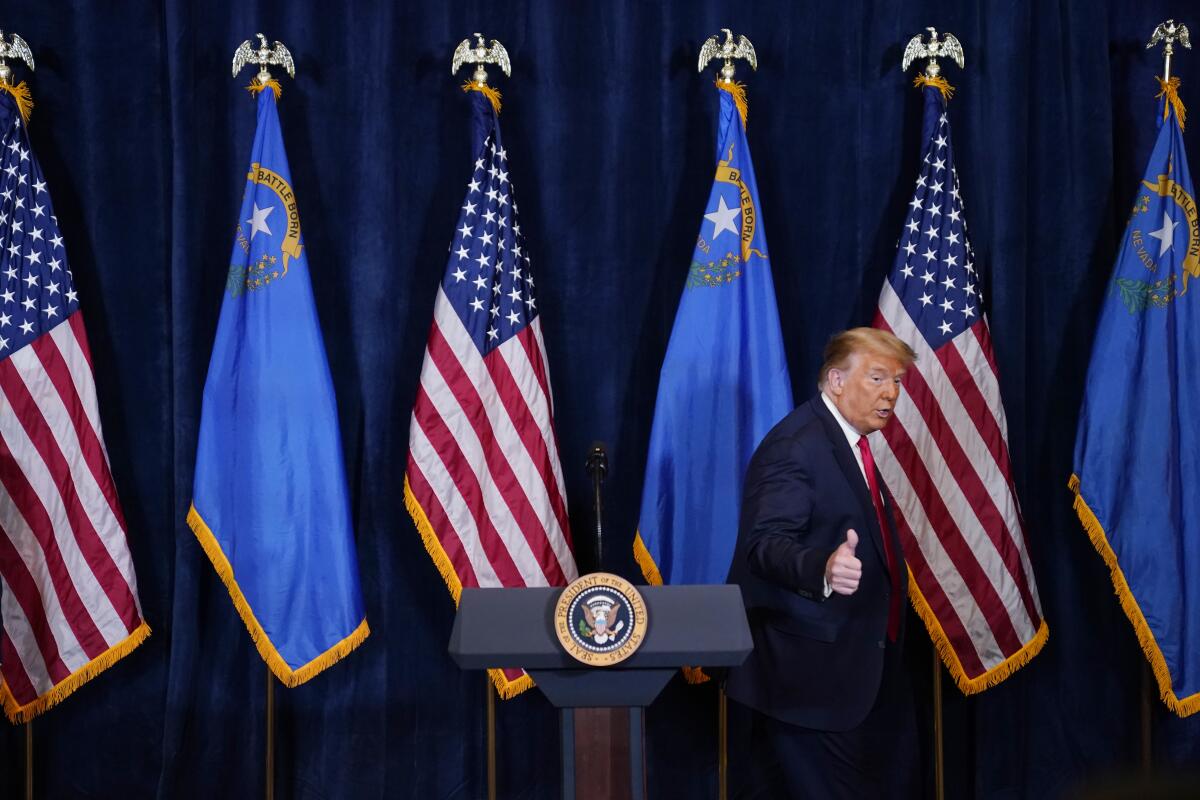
x: 891, y: 391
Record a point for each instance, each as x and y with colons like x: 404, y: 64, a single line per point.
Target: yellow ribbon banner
x: 274, y: 181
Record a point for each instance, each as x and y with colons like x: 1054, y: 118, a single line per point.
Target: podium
x: 696, y: 626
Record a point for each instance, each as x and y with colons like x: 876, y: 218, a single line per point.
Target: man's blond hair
x: 842, y: 347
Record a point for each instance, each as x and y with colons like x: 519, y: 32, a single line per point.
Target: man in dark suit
x: 823, y: 577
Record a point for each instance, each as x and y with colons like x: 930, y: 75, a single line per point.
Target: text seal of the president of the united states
x: 600, y: 619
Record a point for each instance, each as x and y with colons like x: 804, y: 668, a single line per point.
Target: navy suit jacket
x: 817, y: 661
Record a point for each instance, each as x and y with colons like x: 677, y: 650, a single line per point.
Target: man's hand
x: 843, y: 570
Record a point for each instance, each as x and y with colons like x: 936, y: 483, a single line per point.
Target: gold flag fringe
x: 941, y: 643
x: 21, y: 94
x: 1170, y: 88
x: 432, y: 545
x: 650, y: 572
x: 18, y: 713
x: 257, y: 86
x: 939, y: 83
x: 485, y: 90
x: 507, y: 689
x: 738, y: 91
x: 286, y: 675
x: 1184, y: 707
x: 646, y: 561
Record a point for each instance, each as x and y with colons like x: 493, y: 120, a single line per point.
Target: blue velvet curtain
x: 144, y: 139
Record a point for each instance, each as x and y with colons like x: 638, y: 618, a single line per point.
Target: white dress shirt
x: 852, y: 436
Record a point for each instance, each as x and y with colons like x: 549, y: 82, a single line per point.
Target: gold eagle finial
x: 1169, y: 32
x: 946, y: 47
x: 480, y: 54
x: 264, y: 56
x: 14, y: 48
x: 728, y: 50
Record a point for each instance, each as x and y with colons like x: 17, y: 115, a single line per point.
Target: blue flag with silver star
x: 269, y: 504
x: 1137, y: 451
x: 724, y: 380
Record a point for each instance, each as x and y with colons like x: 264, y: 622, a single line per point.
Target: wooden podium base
x: 603, y: 758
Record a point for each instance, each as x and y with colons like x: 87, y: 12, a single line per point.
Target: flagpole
x: 949, y: 47
x: 6, y: 78
x: 1147, y: 751
x: 29, y: 760
x: 939, y: 759
x: 491, y: 736
x: 1169, y: 32
x: 270, y: 766
x: 722, y: 744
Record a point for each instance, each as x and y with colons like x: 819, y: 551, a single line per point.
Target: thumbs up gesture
x: 843, y: 570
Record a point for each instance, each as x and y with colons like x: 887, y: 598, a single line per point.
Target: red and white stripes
x: 483, y: 461
x: 69, y: 594
x: 945, y: 461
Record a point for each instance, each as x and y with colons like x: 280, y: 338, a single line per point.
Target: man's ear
x: 835, y: 379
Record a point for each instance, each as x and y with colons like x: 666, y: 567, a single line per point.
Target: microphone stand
x: 597, y: 468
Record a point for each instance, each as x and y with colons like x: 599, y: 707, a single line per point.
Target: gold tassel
x: 1170, y: 88
x: 939, y: 83
x: 1182, y: 706
x: 21, y: 94
x: 738, y: 91
x: 485, y: 90
x: 257, y: 86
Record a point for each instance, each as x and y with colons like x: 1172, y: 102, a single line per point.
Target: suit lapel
x: 849, y: 465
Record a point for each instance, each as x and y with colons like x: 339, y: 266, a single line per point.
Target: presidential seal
x: 600, y: 619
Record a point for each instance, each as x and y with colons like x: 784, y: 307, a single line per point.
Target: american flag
x: 68, y: 593
x: 945, y: 457
x: 484, y: 483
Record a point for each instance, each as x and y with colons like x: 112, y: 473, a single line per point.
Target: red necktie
x: 893, y: 624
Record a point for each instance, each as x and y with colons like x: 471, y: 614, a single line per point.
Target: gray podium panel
x: 697, y: 626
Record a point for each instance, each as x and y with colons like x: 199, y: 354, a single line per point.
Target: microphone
x: 597, y: 468
x: 597, y: 461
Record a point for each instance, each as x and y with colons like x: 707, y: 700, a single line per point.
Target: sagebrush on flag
x: 1136, y: 451
x: 724, y: 381
x: 270, y: 505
